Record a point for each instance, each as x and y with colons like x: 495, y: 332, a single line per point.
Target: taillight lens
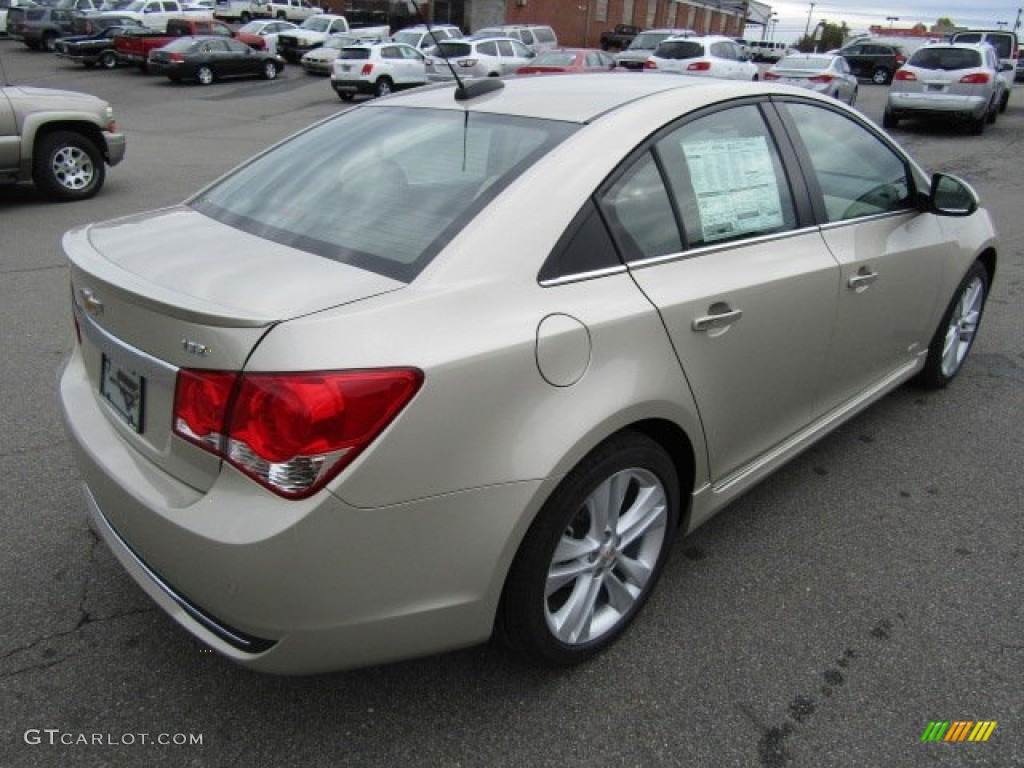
x: 978, y: 78
x: 650, y: 64
x: 821, y: 79
x: 699, y: 66
x: 902, y: 74
x: 290, y: 432
x: 177, y: 58
x: 367, y: 69
x: 467, y: 62
x: 770, y: 76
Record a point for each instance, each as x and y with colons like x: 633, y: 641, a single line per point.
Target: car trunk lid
x: 173, y: 289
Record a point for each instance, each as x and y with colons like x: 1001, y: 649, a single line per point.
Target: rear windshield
x: 648, y: 41
x: 354, y: 53
x: 448, y: 50
x: 945, y: 58
x: 382, y: 188
x: 544, y: 35
x: 803, y: 63
x: 679, y: 49
x: 553, y: 59
x: 182, y: 45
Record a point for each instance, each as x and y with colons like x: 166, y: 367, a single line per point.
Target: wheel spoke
x: 637, y: 571
x: 572, y: 622
x: 605, y: 503
x: 621, y: 596
x: 571, y: 561
x: 648, y: 512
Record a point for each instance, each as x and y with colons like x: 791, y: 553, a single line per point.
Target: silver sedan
x: 822, y: 73
x: 468, y: 361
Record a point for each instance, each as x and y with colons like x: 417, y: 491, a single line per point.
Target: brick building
x: 577, y: 22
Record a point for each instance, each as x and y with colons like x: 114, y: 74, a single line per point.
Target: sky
x: 861, y: 14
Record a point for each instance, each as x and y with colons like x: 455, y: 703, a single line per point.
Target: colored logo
x: 958, y: 730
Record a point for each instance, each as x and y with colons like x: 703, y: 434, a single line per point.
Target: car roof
x: 572, y: 98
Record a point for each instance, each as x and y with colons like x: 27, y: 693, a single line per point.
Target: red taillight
x: 821, y: 79
x: 367, y: 69
x: 650, y: 65
x: 699, y: 66
x: 902, y: 74
x: 292, y: 432
x: 177, y: 58
x: 201, y: 405
x: 900, y: 60
x: 770, y: 76
x: 978, y: 78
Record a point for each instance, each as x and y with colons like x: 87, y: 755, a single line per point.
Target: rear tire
x: 49, y: 42
x: 346, y: 95
x: 1005, y: 102
x: 593, y: 555
x: 889, y: 120
x: 383, y: 87
x: 108, y: 60
x: 853, y: 98
x: 976, y: 127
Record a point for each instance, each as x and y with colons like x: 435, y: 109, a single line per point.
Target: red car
x: 569, y: 60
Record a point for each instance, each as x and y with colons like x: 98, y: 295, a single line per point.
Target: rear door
x: 890, y: 255
x: 745, y: 286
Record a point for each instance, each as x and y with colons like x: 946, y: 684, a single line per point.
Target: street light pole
x: 891, y: 19
x: 807, y: 26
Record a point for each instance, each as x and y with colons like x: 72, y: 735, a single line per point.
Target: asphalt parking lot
x: 870, y: 587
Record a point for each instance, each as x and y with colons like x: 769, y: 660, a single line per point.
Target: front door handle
x: 721, y: 317
x: 860, y: 282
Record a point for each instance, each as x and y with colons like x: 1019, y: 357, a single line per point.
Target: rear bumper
x: 351, y: 86
x: 928, y: 104
x: 296, y: 587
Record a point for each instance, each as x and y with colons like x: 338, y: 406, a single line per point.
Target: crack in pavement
x: 85, y: 618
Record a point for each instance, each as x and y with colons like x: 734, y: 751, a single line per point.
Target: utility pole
x: 807, y: 26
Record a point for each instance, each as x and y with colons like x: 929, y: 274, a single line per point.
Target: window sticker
x: 735, y: 185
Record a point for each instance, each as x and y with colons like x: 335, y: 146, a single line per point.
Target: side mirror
x: 950, y: 196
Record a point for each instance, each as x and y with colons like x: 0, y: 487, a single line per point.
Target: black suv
x: 877, y: 62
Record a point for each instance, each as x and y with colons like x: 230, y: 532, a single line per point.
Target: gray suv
x: 643, y: 45
x: 61, y: 140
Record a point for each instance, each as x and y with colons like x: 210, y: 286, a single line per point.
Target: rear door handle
x: 718, y: 320
x: 860, y: 282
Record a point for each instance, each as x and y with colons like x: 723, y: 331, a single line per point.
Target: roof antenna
x: 464, y: 91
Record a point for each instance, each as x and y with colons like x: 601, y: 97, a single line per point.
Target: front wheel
x: 880, y: 76
x: 204, y: 75
x: 593, y: 555
x: 67, y: 166
x: 956, y: 332
x: 49, y: 42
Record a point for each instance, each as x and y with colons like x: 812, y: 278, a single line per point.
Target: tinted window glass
x: 454, y: 50
x: 727, y: 178
x: 384, y: 189
x: 639, y: 212
x: 680, y: 49
x: 946, y: 58
x: 585, y: 247
x: 354, y: 53
x: 858, y: 174
x: 544, y: 35
x: 505, y: 48
x: 489, y: 48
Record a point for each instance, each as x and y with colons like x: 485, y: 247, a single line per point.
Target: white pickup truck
x: 155, y: 13
x: 296, y: 43
x: 242, y: 11
x: 289, y: 10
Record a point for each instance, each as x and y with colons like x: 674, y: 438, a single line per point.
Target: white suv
x: 420, y: 36
x: 710, y: 56
x: 377, y: 69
